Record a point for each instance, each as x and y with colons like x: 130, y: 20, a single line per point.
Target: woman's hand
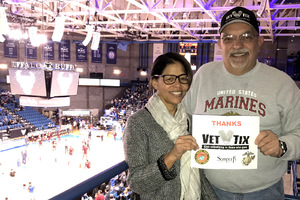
x: 183, y: 144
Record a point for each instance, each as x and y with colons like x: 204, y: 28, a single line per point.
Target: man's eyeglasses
x: 244, y: 38
x: 170, y: 79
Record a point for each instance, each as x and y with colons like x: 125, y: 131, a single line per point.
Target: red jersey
x: 84, y: 148
x: 88, y: 164
x: 40, y: 140
x: 54, y: 143
x: 71, y: 150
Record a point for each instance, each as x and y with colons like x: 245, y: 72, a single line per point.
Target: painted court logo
x: 23, y: 131
x: 202, y: 157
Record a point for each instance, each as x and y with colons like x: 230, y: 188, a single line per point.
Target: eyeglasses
x: 170, y: 79
x: 244, y: 38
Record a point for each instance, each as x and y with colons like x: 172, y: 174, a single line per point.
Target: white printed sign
x: 226, y: 142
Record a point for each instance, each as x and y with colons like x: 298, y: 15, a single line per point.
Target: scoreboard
x: 188, y: 48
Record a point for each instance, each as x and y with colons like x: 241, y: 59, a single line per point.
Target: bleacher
x: 27, y: 116
x: 8, y: 119
x: 35, y: 118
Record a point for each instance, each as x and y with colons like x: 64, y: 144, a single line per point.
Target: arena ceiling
x: 153, y: 20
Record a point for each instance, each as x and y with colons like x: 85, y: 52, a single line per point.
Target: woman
x: 157, y: 140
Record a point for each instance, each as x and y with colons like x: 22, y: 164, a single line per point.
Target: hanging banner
x: 49, y: 51
x: 97, y: 55
x: 217, y: 53
x: 10, y: 48
x: 81, y: 53
x: 158, y: 49
x: 64, y: 50
x: 30, y: 51
x: 111, y: 54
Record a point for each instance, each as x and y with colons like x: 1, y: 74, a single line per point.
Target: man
x: 31, y: 191
x: 54, y: 144
x: 240, y: 85
x: 90, y: 134
x: 24, y: 156
x: 88, y: 164
x: 100, y: 195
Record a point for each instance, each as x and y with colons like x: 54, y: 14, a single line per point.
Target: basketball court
x: 53, y: 172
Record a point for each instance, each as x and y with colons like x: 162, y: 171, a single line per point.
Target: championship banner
x: 225, y: 142
x: 97, y: 55
x: 81, y: 53
x: 158, y: 49
x: 64, y: 50
x: 111, y: 54
x: 49, y: 51
x: 217, y: 53
x: 30, y: 51
x: 10, y: 48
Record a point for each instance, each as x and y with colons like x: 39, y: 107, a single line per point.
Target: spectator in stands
x: 5, y: 120
x: 86, y: 197
x: 107, y: 194
x: 100, y: 195
x: 8, y: 131
x: 21, y: 108
x: 18, y: 119
x: 113, y: 181
x: 95, y: 192
x: 116, y: 194
x: 157, y: 140
x: 123, y: 179
x: 125, y: 194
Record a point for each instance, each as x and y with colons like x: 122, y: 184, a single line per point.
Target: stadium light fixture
x: 89, y: 35
x: 58, y: 29
x: 96, y: 41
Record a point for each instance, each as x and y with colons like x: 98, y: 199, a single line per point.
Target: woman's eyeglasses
x: 170, y: 79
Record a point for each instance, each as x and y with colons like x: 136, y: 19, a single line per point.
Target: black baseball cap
x: 239, y: 14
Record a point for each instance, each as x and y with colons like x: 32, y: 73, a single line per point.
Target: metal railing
x: 88, y: 185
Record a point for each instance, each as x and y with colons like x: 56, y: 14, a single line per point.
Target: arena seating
x: 20, y: 116
x: 35, y: 118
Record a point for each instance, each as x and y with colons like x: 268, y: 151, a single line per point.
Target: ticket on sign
x: 226, y: 142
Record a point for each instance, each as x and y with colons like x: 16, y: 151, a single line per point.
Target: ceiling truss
x: 151, y: 20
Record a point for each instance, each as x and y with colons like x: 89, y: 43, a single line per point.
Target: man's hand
x: 268, y: 143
